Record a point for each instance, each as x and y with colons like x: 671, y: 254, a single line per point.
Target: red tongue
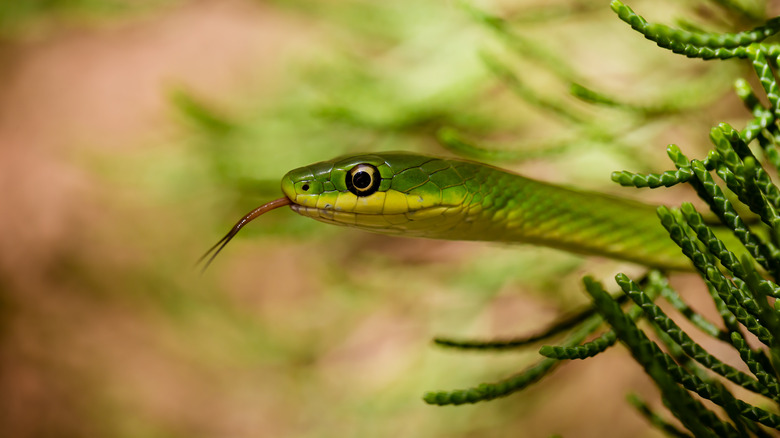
x: 252, y: 215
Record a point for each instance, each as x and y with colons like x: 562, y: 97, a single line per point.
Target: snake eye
x: 363, y: 180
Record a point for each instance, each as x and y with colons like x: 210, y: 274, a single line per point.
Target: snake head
x: 391, y: 193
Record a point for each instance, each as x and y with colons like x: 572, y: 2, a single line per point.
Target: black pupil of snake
x: 361, y: 180
x: 305, y: 187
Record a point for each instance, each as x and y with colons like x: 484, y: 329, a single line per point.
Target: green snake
x: 414, y: 195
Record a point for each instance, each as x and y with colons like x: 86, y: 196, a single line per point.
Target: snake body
x: 415, y: 195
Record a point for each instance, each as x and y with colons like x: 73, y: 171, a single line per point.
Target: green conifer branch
x: 691, y: 97
x: 701, y: 45
x: 505, y: 75
x: 655, y: 283
x: 490, y: 391
x: 768, y: 139
x: 758, y: 59
x: 563, y: 324
x: 749, y: 99
x: 689, y: 411
x: 762, y: 192
x: 729, y: 320
x: 740, y: 8
x: 714, y: 40
x: 663, y: 40
x: 652, y: 180
x: 762, y: 121
x: 743, y: 184
x: 647, y: 352
x: 453, y: 140
x: 699, y: 321
x: 757, y: 189
x: 656, y: 420
x: 753, y: 362
x: 761, y: 125
x: 587, y: 95
x: 720, y: 205
x: 756, y: 288
x: 502, y: 344
x: 669, y: 178
x: 676, y: 155
x: 758, y: 174
x: 727, y: 258
x: 703, y: 262
x: 520, y: 45
x: 688, y: 345
x: 584, y: 351
x: 747, y: 300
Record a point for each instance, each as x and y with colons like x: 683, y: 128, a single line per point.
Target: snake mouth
x: 374, y: 222
x: 419, y: 223
x: 332, y: 215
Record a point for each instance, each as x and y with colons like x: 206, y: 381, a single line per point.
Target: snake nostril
x: 305, y: 187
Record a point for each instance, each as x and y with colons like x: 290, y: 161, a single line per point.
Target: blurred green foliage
x: 19, y: 18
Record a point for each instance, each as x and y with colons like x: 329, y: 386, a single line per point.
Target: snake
x: 415, y: 195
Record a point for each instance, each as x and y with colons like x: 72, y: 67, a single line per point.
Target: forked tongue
x: 252, y: 215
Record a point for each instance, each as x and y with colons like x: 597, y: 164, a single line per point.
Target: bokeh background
x: 133, y: 134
